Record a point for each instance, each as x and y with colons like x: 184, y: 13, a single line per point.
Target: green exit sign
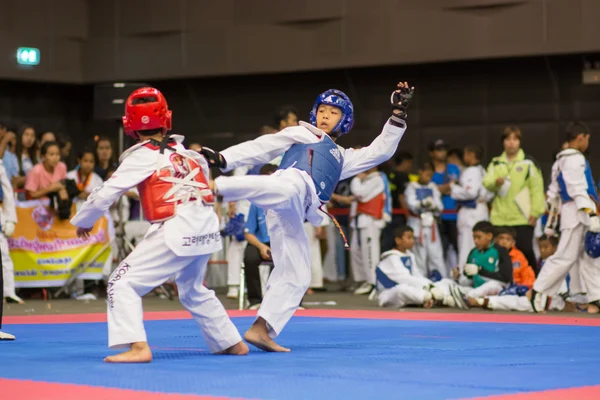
x: 28, y: 56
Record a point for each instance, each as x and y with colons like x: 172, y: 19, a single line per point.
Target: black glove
x: 400, y: 100
x: 214, y: 158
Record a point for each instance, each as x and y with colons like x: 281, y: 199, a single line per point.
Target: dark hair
x: 47, y: 145
x: 427, y: 166
x: 268, y: 169
x: 85, y: 151
x: 31, y: 152
x: 3, y: 125
x: 402, y: 156
x: 484, y: 226
x: 509, y: 130
x: 149, y: 132
x: 552, y: 239
x: 506, y: 230
x: 476, y: 149
x: 574, y: 129
x: 455, y: 152
x: 401, y: 230
x: 282, y: 114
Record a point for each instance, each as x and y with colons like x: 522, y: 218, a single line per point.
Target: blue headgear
x: 336, y: 98
x: 592, y: 244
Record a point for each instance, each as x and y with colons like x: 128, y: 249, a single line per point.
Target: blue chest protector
x: 591, y: 186
x: 1, y: 194
x: 323, y: 161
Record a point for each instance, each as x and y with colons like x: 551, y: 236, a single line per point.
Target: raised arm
x: 134, y: 169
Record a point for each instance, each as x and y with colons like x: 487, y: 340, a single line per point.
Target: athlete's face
x: 406, y: 241
x: 505, y: 240
x: 482, y: 240
x: 328, y: 117
x: 546, y: 249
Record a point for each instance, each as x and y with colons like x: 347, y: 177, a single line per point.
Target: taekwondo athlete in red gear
x: 174, y: 194
x: 309, y: 171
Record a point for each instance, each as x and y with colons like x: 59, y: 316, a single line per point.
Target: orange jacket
x: 522, y: 272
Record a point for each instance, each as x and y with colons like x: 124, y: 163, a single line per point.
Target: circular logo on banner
x: 43, y: 217
x: 145, y: 119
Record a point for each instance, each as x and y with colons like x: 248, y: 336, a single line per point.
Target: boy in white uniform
x: 366, y: 222
x: 573, y: 191
x: 399, y: 282
x: 185, y: 230
x: 471, y: 199
x: 311, y: 167
x: 8, y: 219
x: 424, y: 204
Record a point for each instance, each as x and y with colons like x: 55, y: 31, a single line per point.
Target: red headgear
x: 146, y: 108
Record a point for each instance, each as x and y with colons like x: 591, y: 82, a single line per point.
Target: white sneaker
x: 254, y: 306
x: 6, y: 336
x: 365, y: 288
x: 233, y: 292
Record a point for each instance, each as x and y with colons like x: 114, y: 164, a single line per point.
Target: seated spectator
x: 399, y: 280
x: 66, y: 147
x: 47, y: 137
x: 258, y: 249
x: 398, y: 180
x: 105, y: 158
x: 26, y: 150
x: 523, y: 274
x: 548, y: 246
x: 84, y: 176
x: 7, y: 146
x: 46, y: 176
x: 488, y: 269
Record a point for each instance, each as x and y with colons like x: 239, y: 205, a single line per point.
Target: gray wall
x: 106, y: 40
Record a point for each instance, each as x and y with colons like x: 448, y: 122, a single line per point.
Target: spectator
x: 84, y: 176
x: 7, y: 145
x: 47, y: 137
x: 66, y: 147
x: 26, y: 150
x: 340, y: 199
x: 523, y: 274
x: 286, y: 116
x: 105, y: 158
x: 515, y: 177
x: 455, y: 156
x: 398, y: 180
x: 444, y: 173
x: 46, y: 176
x: 258, y: 250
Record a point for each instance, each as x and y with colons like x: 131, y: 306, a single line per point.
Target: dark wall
x: 466, y: 102
x: 84, y: 41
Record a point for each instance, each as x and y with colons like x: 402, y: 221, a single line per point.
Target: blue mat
x: 330, y: 359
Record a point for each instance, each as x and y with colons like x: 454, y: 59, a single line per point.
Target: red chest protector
x: 373, y: 207
x: 173, y: 169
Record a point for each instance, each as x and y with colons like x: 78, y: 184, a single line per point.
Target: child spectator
x: 523, y: 274
x: 84, y: 176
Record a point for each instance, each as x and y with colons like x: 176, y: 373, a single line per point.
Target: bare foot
x: 473, y: 302
x: 138, y: 353
x: 593, y: 309
x: 238, y: 349
x: 429, y: 303
x: 258, y: 335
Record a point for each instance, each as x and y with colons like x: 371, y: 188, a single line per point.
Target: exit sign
x: 28, y: 56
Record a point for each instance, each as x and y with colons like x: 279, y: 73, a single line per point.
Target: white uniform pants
x: 411, y: 291
x: 284, y: 198
x: 8, y: 269
x: 149, y: 265
x: 490, y: 288
x: 466, y: 220
x: 365, y: 251
x: 521, y: 303
x: 570, y: 254
x: 316, y: 263
x: 428, y: 253
x: 235, y: 257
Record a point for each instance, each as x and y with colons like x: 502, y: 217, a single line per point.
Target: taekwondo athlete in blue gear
x: 296, y: 193
x: 573, y: 190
